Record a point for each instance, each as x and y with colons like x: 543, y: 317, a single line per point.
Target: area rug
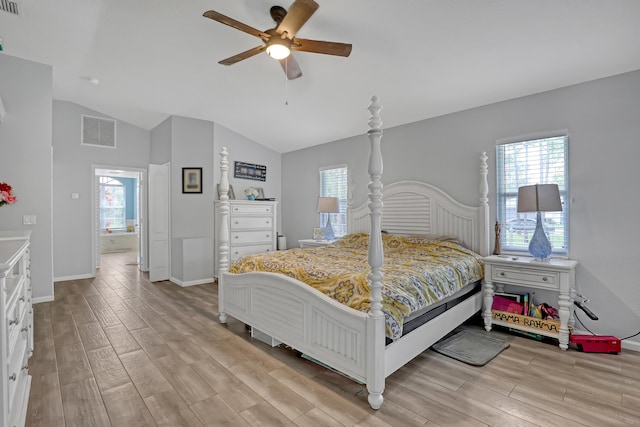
x: 470, y: 347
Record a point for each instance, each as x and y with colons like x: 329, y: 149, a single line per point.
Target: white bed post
x: 223, y: 229
x: 485, y: 243
x: 375, y: 329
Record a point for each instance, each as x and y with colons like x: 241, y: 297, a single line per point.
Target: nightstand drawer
x: 525, y: 276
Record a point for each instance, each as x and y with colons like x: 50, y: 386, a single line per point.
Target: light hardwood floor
x: 118, y: 350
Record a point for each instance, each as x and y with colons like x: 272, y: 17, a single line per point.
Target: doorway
x: 119, y: 216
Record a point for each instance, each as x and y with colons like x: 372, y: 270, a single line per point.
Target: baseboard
x: 78, y: 277
x: 191, y: 282
x: 42, y: 299
x: 631, y: 345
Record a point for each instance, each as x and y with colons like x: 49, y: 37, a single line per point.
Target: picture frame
x: 191, y: 180
x: 231, y: 194
x: 260, y: 191
x: 514, y: 297
x: 318, y: 233
x: 250, y: 171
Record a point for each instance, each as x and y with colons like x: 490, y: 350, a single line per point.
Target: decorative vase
x: 539, y: 246
x: 251, y: 197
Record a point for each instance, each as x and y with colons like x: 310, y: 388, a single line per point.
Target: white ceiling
x: 423, y: 58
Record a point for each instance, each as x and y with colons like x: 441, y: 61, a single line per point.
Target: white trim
x: 191, y: 282
x: 75, y: 277
x: 39, y: 300
x: 2, y: 110
x: 631, y: 345
x: 533, y: 136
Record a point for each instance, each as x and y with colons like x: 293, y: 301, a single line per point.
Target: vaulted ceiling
x: 423, y: 58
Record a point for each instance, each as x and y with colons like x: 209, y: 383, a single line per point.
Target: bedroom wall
x: 25, y: 160
x: 245, y: 150
x: 72, y: 226
x: 602, y: 119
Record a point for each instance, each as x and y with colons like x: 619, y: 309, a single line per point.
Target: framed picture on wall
x: 192, y: 180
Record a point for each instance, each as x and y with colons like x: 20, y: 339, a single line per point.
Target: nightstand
x: 555, y: 275
x: 311, y: 243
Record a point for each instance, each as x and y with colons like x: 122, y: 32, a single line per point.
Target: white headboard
x: 411, y: 207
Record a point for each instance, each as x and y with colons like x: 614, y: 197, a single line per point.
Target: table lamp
x: 539, y: 198
x: 328, y: 205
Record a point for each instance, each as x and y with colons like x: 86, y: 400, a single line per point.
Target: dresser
x: 252, y: 229
x: 16, y: 328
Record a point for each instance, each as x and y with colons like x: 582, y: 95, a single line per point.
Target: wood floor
x: 118, y: 350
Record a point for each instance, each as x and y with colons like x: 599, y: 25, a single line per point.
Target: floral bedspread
x: 417, y: 272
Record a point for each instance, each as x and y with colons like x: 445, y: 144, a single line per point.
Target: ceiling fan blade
x: 317, y: 46
x: 299, y: 13
x: 212, y: 14
x: 243, y: 55
x: 291, y: 67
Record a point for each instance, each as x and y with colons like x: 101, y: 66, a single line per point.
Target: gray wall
x: 25, y: 160
x: 242, y: 149
x: 603, y: 120
x: 72, y: 173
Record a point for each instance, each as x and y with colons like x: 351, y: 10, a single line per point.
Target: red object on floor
x: 597, y: 343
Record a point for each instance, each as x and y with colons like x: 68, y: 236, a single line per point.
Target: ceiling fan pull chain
x: 286, y: 81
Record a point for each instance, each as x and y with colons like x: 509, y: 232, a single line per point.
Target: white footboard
x: 301, y: 317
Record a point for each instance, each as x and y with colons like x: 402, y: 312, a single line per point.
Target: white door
x: 158, y: 217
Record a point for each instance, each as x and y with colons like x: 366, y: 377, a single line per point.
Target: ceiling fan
x: 281, y: 40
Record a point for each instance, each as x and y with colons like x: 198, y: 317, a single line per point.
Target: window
x: 333, y: 183
x: 535, y: 161
x: 112, y: 204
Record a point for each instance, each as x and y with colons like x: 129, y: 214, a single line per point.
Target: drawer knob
x: 268, y: 235
x: 25, y: 367
x: 544, y: 279
x: 235, y: 237
x: 13, y: 321
x: 25, y: 329
x: 13, y: 377
x: 236, y: 222
x: 21, y: 298
x: 502, y: 273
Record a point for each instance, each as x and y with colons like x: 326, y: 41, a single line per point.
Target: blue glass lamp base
x: 539, y: 246
x: 328, y: 231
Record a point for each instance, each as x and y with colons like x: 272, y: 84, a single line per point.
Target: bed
x: 347, y: 340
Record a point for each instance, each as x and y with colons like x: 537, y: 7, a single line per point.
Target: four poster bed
x: 349, y: 340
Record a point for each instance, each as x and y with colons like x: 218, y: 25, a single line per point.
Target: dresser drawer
x: 241, y: 237
x: 251, y: 208
x: 13, y: 319
x: 16, y: 375
x: 248, y: 223
x: 526, y: 276
x: 240, y: 251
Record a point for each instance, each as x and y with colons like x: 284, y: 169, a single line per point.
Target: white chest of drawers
x: 252, y: 228
x: 16, y: 330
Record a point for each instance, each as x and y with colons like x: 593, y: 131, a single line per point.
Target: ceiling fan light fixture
x: 279, y: 48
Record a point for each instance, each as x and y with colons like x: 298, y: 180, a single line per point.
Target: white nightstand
x: 311, y: 243
x: 556, y: 275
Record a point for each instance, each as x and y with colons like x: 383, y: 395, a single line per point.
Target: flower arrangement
x: 6, y: 196
x: 251, y: 193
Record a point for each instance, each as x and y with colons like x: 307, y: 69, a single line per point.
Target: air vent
x: 98, y: 132
x: 9, y: 6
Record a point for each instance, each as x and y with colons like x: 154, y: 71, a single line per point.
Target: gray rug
x: 470, y: 347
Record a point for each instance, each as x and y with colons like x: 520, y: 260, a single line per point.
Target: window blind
x: 334, y: 183
x: 536, y: 161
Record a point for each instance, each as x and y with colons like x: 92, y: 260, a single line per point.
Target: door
x: 158, y: 217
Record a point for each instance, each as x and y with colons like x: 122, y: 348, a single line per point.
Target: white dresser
x: 16, y: 328
x: 252, y: 228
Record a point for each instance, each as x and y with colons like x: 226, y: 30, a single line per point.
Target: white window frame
x: 516, y: 229
x: 338, y: 220
x: 112, y: 182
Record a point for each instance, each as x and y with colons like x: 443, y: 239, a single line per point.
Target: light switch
x: 75, y: 195
x: 29, y: 219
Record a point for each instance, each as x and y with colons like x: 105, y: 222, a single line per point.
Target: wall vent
x: 98, y: 132
x: 9, y: 7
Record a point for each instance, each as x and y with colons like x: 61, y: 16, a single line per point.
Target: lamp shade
x: 328, y: 205
x: 539, y: 198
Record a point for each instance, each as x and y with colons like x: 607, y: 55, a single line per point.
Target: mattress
x: 418, y: 272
